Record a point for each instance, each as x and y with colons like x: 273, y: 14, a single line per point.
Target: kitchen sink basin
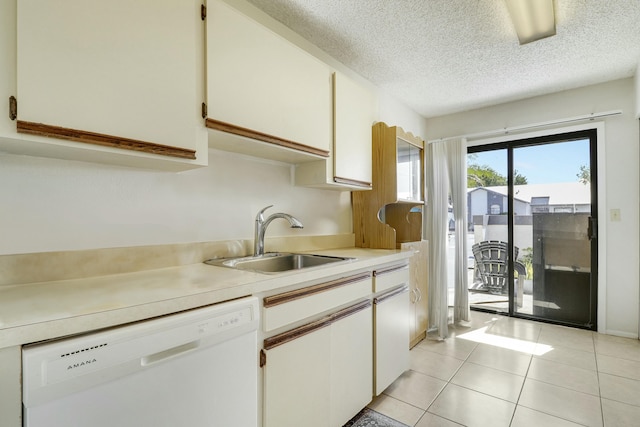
x: 276, y: 262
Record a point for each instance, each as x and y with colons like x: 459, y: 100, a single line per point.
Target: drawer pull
x: 264, y: 137
x: 102, y: 139
x: 391, y: 294
x: 300, y: 331
x: 390, y: 269
x: 311, y: 290
x: 350, y: 310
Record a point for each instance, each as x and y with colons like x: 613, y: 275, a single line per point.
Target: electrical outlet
x: 614, y: 215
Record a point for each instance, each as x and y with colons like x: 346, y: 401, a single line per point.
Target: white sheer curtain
x: 436, y: 230
x: 446, y: 172
x: 457, y: 164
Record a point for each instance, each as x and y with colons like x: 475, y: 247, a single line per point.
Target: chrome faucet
x: 262, y: 224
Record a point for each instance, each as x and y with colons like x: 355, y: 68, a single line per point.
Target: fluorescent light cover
x: 533, y: 19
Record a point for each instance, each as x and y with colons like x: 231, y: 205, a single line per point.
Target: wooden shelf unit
x: 390, y: 217
x: 402, y: 215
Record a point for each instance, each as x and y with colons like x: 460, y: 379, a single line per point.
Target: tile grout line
x: 465, y: 360
x: 449, y: 382
x: 595, y: 356
x: 566, y: 388
x: 526, y: 375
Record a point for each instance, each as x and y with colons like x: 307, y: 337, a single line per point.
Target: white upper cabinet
x: 121, y: 76
x: 354, y: 116
x: 264, y: 88
x: 351, y: 165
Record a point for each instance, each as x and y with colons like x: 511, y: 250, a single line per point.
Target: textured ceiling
x: 446, y: 56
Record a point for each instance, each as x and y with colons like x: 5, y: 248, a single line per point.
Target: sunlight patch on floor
x: 482, y: 336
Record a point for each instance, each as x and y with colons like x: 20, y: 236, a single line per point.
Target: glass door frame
x: 592, y: 135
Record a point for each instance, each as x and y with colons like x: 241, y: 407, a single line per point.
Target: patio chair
x: 491, y: 268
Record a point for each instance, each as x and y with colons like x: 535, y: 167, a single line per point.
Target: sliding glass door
x: 488, y: 210
x: 537, y: 231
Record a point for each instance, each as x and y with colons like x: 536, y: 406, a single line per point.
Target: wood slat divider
x: 284, y: 297
x: 264, y: 137
x: 76, y: 135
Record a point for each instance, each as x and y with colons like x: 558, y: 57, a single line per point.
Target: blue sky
x: 541, y: 164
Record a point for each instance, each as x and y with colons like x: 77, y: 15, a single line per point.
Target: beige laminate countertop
x: 45, y: 310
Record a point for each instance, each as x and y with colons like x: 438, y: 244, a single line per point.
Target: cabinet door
x: 350, y: 166
x: 354, y: 115
x: 262, y: 86
x: 418, y: 283
x: 351, y: 365
x: 113, y: 73
x: 392, y: 337
x: 297, y: 381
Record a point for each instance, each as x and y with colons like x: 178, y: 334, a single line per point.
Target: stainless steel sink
x: 276, y: 262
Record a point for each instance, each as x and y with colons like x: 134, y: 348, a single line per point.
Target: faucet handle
x: 259, y: 217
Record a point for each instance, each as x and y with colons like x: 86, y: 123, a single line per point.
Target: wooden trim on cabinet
x: 422, y: 335
x: 351, y: 310
x: 311, y: 290
x: 295, y: 333
x: 391, y: 294
x: 308, y: 328
x: 391, y: 269
x: 264, y: 137
x: 352, y: 182
x: 103, y: 140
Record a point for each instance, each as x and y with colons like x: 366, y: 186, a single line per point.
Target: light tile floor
x: 501, y: 371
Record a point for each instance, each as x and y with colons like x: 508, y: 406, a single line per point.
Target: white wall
x: 394, y: 113
x: 64, y: 205
x: 622, y: 185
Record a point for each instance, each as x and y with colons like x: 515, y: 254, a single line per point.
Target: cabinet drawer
x: 289, y: 307
x: 387, y: 278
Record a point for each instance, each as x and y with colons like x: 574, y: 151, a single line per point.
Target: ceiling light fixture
x: 533, y: 19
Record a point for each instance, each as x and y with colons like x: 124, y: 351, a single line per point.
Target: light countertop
x: 45, y: 310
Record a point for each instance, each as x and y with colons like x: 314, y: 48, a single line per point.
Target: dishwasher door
x: 196, y: 368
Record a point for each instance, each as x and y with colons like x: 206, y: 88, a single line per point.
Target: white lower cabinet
x: 296, y: 380
x: 391, y: 320
x: 341, y: 345
x: 319, y: 374
x: 351, y: 365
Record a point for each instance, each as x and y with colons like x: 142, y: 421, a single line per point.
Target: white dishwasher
x: 195, y: 368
